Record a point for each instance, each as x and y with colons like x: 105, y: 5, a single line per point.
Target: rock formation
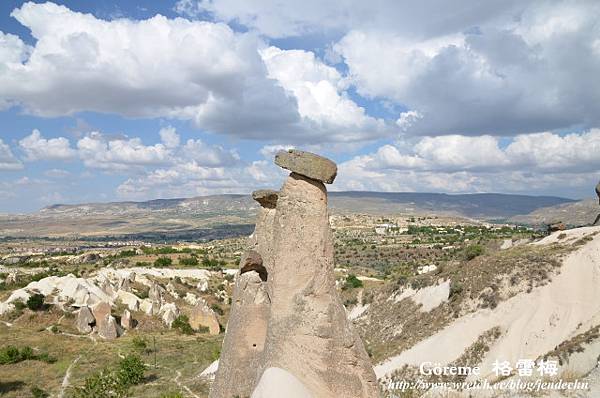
x: 84, y: 320
x: 307, y: 164
x: 108, y: 328
x: 309, y: 338
x: 598, y: 194
x: 100, y: 312
x: 126, y: 320
x: 243, y: 345
x: 203, y: 316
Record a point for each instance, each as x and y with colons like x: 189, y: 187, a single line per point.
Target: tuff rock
x: 84, y: 320
x: 309, y: 341
x: 307, y: 164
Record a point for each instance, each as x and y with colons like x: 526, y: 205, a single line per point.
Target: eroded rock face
x: 308, y: 332
x: 203, y: 316
x: 307, y: 164
x: 241, y: 354
x: 275, y: 380
x: 292, y: 329
x: 126, y: 320
x: 252, y: 261
x: 100, y: 312
x: 266, y: 197
x: 107, y: 328
x: 84, y: 320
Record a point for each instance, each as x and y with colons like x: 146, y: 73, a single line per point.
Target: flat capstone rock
x: 307, y: 164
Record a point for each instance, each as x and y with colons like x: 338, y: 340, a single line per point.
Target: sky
x: 137, y: 100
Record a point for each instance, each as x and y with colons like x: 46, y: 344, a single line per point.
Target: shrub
x: 12, y: 354
x: 217, y: 309
x: 455, y: 288
x: 113, y: 383
x: 139, y: 343
x: 173, y: 394
x: 182, y: 323
x: 36, y: 302
x: 19, y: 305
x: 128, y: 253
x: 101, y: 385
x: 189, y: 261
x: 163, y: 262
x: 473, y: 251
x: 131, y: 370
x: 39, y: 393
x: 352, y: 282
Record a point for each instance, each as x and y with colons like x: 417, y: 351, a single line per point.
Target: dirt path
x: 175, y: 379
x: 65, y: 383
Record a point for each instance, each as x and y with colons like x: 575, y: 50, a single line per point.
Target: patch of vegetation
x: 35, y: 302
x: 113, y: 383
x: 189, y: 261
x: 352, y: 282
x: 576, y: 344
x: 127, y: 253
x: 473, y: 251
x: 456, y: 288
x: 217, y: 309
x: 39, y: 393
x: 163, y: 262
x: 182, y: 324
x: 172, y: 394
x: 12, y: 354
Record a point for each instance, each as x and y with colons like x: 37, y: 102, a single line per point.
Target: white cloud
x: 292, y: 18
x: 12, y: 49
x: 36, y: 147
x: 190, y: 179
x: 209, y: 155
x: 157, y: 67
x: 175, y: 68
x: 120, y: 154
x: 211, y: 170
x: 529, y: 163
x: 319, y: 90
x: 169, y: 137
x: 507, y: 76
x: 8, y: 161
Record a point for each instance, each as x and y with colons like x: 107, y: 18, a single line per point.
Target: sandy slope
x: 532, y: 324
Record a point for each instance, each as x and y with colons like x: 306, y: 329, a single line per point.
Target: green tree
x: 473, y: 251
x: 163, y: 262
x: 35, y: 302
x: 352, y: 282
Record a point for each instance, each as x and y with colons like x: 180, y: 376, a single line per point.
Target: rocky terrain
x: 307, y: 301
x: 579, y: 213
x: 221, y: 216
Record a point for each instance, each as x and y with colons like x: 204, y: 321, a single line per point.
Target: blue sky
x: 114, y: 100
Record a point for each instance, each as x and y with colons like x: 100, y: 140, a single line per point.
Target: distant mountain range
x: 189, y: 215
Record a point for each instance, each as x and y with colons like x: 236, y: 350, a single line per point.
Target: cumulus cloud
x: 506, y: 77
x: 36, y: 147
x: 291, y: 18
x: 97, y: 151
x: 530, y: 162
x: 169, y: 137
x: 188, y: 179
x: 319, y: 90
x: 461, y: 67
x: 8, y: 161
x: 174, y: 68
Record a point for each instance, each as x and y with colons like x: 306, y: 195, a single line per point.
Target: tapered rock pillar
x: 308, y: 334
x: 241, y: 354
